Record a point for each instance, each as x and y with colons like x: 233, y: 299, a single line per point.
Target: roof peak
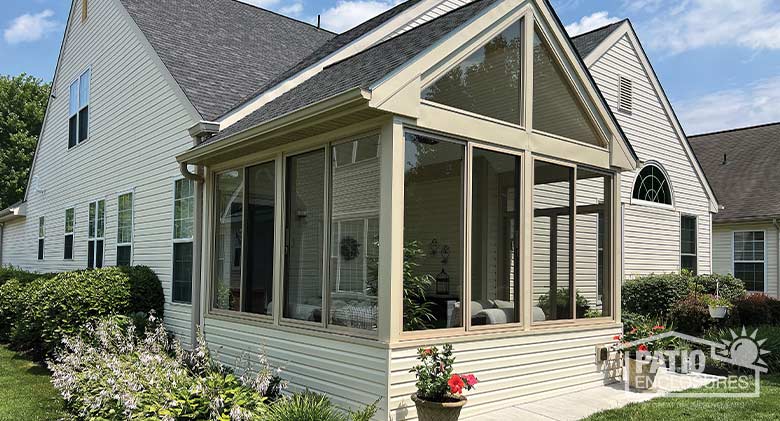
x: 620, y: 22
x: 736, y: 129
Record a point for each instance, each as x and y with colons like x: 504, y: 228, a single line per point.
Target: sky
x: 718, y: 60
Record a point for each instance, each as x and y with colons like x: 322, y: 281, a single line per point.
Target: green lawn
x: 25, y: 390
x: 765, y: 407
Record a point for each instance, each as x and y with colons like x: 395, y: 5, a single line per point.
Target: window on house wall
x: 124, y: 234
x: 41, y: 237
x: 78, y: 121
x: 257, y: 293
x: 749, y: 259
x: 488, y: 82
x: 651, y: 185
x: 592, y: 269
x: 183, y: 225
x: 304, y: 242
x: 688, y: 243
x: 433, y: 233
x: 556, y: 104
x: 553, y: 275
x: 495, y: 252
x: 96, y: 238
x: 70, y: 219
x: 229, y: 240
x: 354, y: 236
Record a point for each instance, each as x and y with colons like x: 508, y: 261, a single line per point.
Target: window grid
x: 652, y: 186
x: 183, y: 222
x: 749, y: 259
x: 124, y: 235
x: 688, y: 249
x: 70, y: 219
x: 78, y: 111
x: 96, y: 240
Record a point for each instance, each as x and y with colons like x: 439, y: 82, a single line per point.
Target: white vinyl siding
x: 651, y: 233
x: 138, y: 125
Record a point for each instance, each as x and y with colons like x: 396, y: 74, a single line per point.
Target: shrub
x: 691, y: 315
x: 14, y: 299
x: 562, y: 304
x: 654, y: 295
x: 9, y: 272
x: 146, y: 291
x: 309, y: 406
x: 725, y: 286
x: 753, y: 310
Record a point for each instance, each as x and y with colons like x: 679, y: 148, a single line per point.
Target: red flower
x: 642, y: 347
x: 427, y: 351
x: 632, y: 331
x: 616, y: 337
x: 471, y: 380
x: 456, y: 384
x: 658, y: 327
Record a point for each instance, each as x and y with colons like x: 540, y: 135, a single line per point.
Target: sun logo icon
x: 744, y: 350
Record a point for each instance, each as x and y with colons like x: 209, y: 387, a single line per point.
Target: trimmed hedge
x: 755, y: 310
x: 9, y: 272
x: 36, y: 316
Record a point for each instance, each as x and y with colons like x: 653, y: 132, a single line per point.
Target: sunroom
x: 465, y: 189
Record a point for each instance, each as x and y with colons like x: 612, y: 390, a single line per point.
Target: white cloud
x: 729, y: 108
x: 261, y: 3
x: 294, y: 9
x: 29, y: 27
x: 753, y: 24
x: 590, y: 22
x: 347, y: 14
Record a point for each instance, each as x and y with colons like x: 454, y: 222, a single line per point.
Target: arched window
x: 652, y: 185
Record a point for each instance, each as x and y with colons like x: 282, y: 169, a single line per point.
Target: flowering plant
x: 643, y: 330
x: 716, y: 301
x: 436, y: 381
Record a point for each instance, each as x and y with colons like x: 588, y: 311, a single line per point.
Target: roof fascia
x: 361, y: 43
x: 627, y: 30
x: 353, y: 96
x: 13, y: 212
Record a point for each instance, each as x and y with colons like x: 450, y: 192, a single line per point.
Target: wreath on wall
x: 349, y: 248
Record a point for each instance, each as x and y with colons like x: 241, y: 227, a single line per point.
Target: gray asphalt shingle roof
x: 360, y: 70
x: 221, y: 51
x: 741, y: 166
x: 587, y: 42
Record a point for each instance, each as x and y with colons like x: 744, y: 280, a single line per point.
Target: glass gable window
x: 97, y: 228
x: 70, y: 219
x: 688, y: 243
x: 495, y: 258
x: 594, y: 292
x: 749, y: 259
x: 556, y: 106
x: 124, y: 234
x: 433, y: 233
x: 78, y: 110
x: 354, y: 236
x: 553, y: 279
x: 488, y: 82
x: 228, y: 234
x: 651, y: 185
x: 303, y: 272
x: 183, y: 225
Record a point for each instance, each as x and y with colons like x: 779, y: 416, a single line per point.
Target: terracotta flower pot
x: 438, y: 411
x: 640, y: 376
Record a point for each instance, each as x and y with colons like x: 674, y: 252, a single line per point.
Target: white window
x: 97, y: 231
x: 70, y: 219
x: 749, y: 259
x: 651, y: 185
x: 41, y: 236
x: 688, y: 243
x: 78, y: 112
x: 124, y: 234
x: 183, y: 224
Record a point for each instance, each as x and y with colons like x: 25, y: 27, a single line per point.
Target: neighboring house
x: 275, y: 175
x: 741, y: 165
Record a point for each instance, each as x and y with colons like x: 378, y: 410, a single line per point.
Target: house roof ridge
x: 736, y: 129
x: 600, y: 28
x: 256, y: 7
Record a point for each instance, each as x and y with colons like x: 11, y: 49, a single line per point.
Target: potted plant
x: 439, y: 390
x: 719, y: 306
x: 641, y: 368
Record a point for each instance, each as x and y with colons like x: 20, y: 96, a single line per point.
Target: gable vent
x: 625, y: 95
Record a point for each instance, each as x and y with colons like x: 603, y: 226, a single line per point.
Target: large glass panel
x: 183, y: 208
x: 354, y: 250
x: 261, y: 201
x: 433, y: 233
x: 305, y: 234
x: 495, y: 268
x: 84, y: 89
x: 73, y: 106
x: 556, y: 105
x: 552, y: 279
x: 183, y: 216
x: 182, y: 272
x: 488, y: 82
x: 594, y: 289
x: 228, y: 235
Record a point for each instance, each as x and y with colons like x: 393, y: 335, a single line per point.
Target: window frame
x: 695, y: 254
x: 94, y: 237
x: 763, y: 262
x: 180, y: 240
x: 71, y: 234
x: 41, y: 238
x: 80, y: 107
x: 635, y: 201
x: 130, y: 244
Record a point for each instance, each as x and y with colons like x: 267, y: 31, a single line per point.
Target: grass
x: 765, y: 407
x: 25, y: 390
